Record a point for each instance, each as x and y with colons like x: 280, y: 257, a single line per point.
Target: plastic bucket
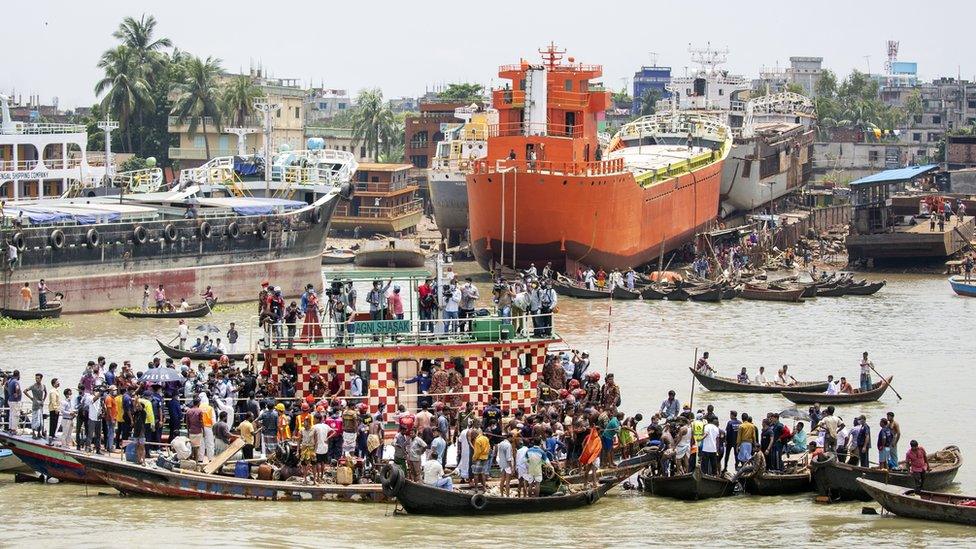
x: 130, y: 452
x: 242, y: 469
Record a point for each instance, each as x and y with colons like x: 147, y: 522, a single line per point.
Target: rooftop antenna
x: 653, y: 55
x: 552, y: 55
x: 708, y: 57
x: 868, y: 59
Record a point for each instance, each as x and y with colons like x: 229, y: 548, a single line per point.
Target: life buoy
x: 233, y: 230
x: 57, y: 239
x: 170, y: 232
x: 262, y: 231
x: 205, y: 230
x: 19, y: 242
x: 479, y: 501
x: 91, y: 238
x: 140, y: 235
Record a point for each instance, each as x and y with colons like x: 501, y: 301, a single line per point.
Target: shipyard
x: 613, y: 287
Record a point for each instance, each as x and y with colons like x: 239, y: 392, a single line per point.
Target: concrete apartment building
x: 339, y: 139
x: 322, y: 104
x: 287, y: 125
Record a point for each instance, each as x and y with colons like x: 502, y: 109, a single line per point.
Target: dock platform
x: 919, y: 241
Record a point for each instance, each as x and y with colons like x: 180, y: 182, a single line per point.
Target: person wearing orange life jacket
x: 209, y: 444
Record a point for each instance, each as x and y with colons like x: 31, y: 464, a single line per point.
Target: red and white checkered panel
x: 382, y: 388
x: 477, y: 381
x: 518, y: 390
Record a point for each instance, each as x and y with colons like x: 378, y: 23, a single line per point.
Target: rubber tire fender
x: 19, y: 242
x: 57, y: 239
x: 91, y: 238
x: 479, y: 502
x: 170, y: 233
x: 262, y: 230
x: 205, y: 230
x: 233, y: 230
x: 140, y: 235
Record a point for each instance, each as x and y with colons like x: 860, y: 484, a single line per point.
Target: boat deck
x: 913, y: 241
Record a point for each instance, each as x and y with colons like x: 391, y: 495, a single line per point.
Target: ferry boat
x: 546, y: 193
x: 463, y: 144
x: 772, y: 153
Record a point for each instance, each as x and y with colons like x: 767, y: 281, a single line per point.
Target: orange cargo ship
x: 547, y: 191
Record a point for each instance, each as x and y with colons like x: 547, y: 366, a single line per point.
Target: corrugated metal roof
x: 897, y: 175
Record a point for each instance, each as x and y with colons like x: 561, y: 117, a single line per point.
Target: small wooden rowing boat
x: 838, y: 480
x: 197, y: 311
x: 961, y: 287
x: 650, y: 292
x: 729, y: 385
x: 678, y: 294
x: 730, y: 292
x: 866, y: 289
x: 762, y: 293
x: 422, y: 499
x: 32, y: 314
x: 338, y: 256
x: 921, y: 504
x: 134, y: 479
x: 11, y: 464
x: 871, y: 395
x: 835, y: 290
x: 713, y: 294
x: 619, y: 292
x: 572, y: 290
x: 689, y: 486
x: 48, y: 460
x: 771, y: 483
x: 176, y: 353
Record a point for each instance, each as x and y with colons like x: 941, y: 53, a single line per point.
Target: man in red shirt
x: 918, y: 463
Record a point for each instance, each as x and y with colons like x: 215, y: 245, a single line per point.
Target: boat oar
x: 884, y: 379
x: 691, y: 401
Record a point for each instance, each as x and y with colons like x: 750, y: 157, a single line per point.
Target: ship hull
x: 449, y: 197
x: 112, y: 274
x: 603, y: 221
x: 757, y: 173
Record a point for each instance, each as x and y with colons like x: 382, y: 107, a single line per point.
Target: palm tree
x: 369, y: 120
x: 138, y: 36
x: 197, y: 96
x: 237, y: 99
x: 127, y: 88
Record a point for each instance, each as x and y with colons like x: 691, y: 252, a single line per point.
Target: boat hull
x: 601, y: 220
x: 49, y: 461
x: 449, y: 197
x: 771, y: 484
x: 839, y: 480
x: 963, y: 288
x: 907, y: 503
x: 689, y: 486
x: 112, y: 274
x: 727, y: 385
x: 10, y: 463
x: 32, y: 314
x: 825, y: 399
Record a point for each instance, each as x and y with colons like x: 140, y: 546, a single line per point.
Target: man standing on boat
x: 547, y: 302
x: 866, y: 367
x: 377, y: 300
x: 37, y: 394
x: 469, y: 300
x: 160, y: 298
x: 13, y: 396
x: 702, y: 366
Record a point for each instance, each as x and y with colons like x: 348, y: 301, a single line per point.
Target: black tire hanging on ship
x: 57, y: 239
x: 91, y: 238
x: 170, y: 233
x: 205, y: 230
x: 262, y: 231
x: 479, y: 501
x: 317, y: 216
x: 19, y: 242
x: 140, y: 235
x: 233, y: 230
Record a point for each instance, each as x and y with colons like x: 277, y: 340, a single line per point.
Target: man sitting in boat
x: 184, y: 306
x: 761, y: 376
x: 784, y: 378
x: 845, y: 387
x: 832, y: 386
x: 743, y: 377
x: 433, y: 473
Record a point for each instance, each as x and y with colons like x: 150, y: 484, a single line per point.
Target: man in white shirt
x: 522, y: 470
x: 434, y: 473
x: 866, y: 367
x: 709, y: 447
x: 506, y: 463
x: 452, y: 303
x: 761, y: 376
x: 831, y: 386
x: 184, y: 334
x: 320, y: 434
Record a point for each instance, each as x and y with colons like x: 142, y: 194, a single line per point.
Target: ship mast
x: 552, y: 55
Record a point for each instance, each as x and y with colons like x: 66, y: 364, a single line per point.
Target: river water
x: 915, y: 329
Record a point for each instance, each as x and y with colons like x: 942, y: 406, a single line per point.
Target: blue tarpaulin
x: 37, y: 216
x: 245, y: 167
x: 267, y: 206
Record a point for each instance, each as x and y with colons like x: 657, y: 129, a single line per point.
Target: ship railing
x: 597, y: 167
x: 18, y: 166
x: 381, y: 186
x: 399, y: 333
x: 568, y: 100
x: 147, y: 180
x: 387, y: 212
x: 678, y: 168
x: 681, y: 124
x: 23, y: 128
x: 513, y: 129
x: 514, y: 98
x: 216, y: 171
x: 458, y: 164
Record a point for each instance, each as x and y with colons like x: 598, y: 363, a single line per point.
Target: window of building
x: 278, y: 113
x: 298, y: 112
x: 375, y: 179
x: 419, y: 160
x: 933, y: 137
x: 916, y: 136
x: 198, y: 142
x: 873, y: 156
x: 342, y: 106
x: 362, y: 152
x: 936, y: 119
x: 568, y: 85
x: 971, y: 104
x: 721, y: 91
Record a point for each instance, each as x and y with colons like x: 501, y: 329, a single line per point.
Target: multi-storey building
x: 340, y: 139
x: 323, y: 104
x: 647, y: 79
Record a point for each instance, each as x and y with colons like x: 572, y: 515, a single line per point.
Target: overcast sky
x: 51, y: 47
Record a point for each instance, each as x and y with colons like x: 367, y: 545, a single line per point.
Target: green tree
x: 138, y: 36
x: 462, y: 92
x: 648, y: 102
x: 237, y: 99
x: 913, y: 106
x: 126, y: 87
x: 793, y: 87
x: 827, y: 85
x: 371, y: 120
x: 198, y: 96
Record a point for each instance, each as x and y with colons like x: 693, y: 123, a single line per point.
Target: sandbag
x: 181, y: 447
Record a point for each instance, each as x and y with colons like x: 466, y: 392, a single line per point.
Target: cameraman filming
x: 452, y: 302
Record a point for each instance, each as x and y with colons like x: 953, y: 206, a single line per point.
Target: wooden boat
x: 729, y: 385
x: 197, y: 311
x: 11, y: 464
x: 390, y: 254
x: 650, y: 292
x: 838, y: 480
x: 572, y: 290
x: 871, y: 395
x: 692, y: 486
x: 338, y: 256
x: 921, y: 504
x: 50, y: 461
x: 713, y: 294
x: 961, y: 287
x: 771, y: 483
x: 174, y: 352
x: 678, y: 294
x: 730, y: 292
x: 866, y: 289
x: 619, y: 292
x: 760, y: 293
x: 422, y: 499
x: 32, y: 314
x: 836, y: 290
x: 134, y: 479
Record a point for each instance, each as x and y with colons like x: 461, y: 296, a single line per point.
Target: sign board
x: 381, y: 327
x: 20, y: 176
